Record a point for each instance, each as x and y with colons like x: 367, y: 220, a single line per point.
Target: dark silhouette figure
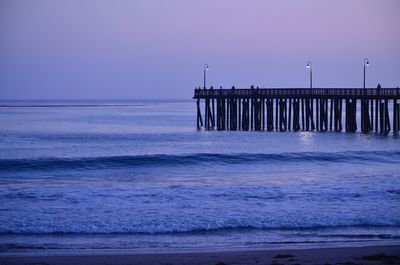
x: 378, y: 89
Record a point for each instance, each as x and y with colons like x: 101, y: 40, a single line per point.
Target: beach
x: 348, y: 255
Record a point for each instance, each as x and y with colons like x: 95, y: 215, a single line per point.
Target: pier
x: 299, y: 109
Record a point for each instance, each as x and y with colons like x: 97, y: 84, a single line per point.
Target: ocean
x: 138, y: 176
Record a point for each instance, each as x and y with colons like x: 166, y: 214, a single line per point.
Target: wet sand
x: 324, y: 256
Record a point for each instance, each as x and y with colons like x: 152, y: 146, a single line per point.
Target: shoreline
x: 378, y: 254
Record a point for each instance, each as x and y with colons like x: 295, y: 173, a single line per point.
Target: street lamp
x: 205, y: 71
x: 309, y: 66
x: 366, y: 63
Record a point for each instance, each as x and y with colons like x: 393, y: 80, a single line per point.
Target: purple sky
x: 52, y: 49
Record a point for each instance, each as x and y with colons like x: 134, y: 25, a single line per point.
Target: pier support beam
x: 199, y: 118
x: 245, y: 115
x: 282, y: 115
x: 351, y: 121
x: 270, y: 114
x: 296, y: 115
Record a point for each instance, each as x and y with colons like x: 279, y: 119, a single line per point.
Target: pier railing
x: 299, y: 92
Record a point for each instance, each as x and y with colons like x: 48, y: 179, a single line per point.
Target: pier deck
x: 295, y: 109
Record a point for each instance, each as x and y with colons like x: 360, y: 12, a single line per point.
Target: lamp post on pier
x: 366, y: 63
x: 205, y: 74
x: 309, y: 66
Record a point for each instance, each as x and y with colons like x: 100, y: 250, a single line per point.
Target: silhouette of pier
x: 299, y: 109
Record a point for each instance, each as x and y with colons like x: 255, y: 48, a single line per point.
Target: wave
x: 52, y: 163
x: 190, y: 230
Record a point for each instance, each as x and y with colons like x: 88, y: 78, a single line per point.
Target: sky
x: 156, y: 49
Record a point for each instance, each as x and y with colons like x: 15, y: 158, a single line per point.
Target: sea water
x: 139, y: 176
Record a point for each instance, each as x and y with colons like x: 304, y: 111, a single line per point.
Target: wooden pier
x: 299, y: 109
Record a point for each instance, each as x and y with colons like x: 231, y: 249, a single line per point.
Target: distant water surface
x: 138, y: 175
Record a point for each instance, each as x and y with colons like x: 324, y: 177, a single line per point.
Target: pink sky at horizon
x: 156, y: 49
